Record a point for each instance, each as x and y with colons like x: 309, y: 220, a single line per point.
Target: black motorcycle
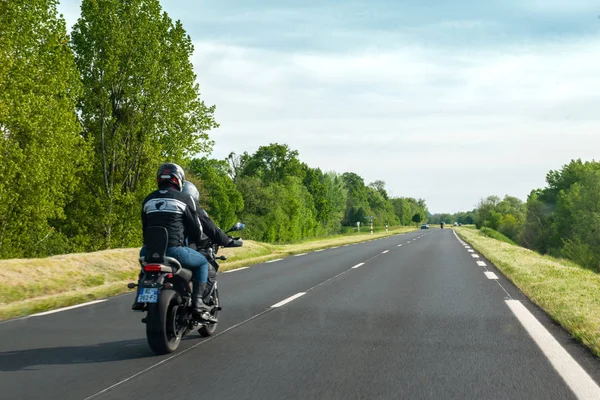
x: 166, y: 291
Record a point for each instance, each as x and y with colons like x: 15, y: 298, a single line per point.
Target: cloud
x: 413, y: 115
x: 449, y: 101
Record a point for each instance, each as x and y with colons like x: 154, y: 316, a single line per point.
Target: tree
x: 379, y: 186
x: 218, y: 194
x: 273, y: 163
x: 141, y: 106
x: 357, y: 198
x: 314, y: 182
x: 41, y: 152
x: 336, y: 195
x: 417, y: 218
x: 583, y: 202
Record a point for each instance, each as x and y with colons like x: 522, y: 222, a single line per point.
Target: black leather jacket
x: 176, y: 212
x: 210, y: 231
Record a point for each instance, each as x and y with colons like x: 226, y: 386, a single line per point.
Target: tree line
x: 561, y: 219
x: 282, y: 199
x: 85, y: 121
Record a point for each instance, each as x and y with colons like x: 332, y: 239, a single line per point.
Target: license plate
x: 148, y: 295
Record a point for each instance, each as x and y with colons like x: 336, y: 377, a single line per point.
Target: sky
x: 450, y: 101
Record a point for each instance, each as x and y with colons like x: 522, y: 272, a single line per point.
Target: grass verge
x: 29, y: 286
x: 566, y: 291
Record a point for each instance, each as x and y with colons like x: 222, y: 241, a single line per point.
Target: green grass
x: 29, y: 286
x: 568, y: 292
x: 496, y: 235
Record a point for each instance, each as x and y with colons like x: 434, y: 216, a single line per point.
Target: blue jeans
x: 189, y: 259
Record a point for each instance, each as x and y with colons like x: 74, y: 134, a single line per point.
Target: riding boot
x: 198, y: 304
x: 209, y: 285
x: 138, y: 306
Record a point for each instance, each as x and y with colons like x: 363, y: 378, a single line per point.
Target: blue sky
x: 450, y: 101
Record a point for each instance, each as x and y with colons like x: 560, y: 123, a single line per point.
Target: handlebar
x: 237, y: 242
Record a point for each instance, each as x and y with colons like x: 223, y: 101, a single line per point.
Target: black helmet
x: 191, y: 190
x: 171, y: 174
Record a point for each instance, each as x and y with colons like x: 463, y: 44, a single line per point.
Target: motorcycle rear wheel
x: 164, y: 326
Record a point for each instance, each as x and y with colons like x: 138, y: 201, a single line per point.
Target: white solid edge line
x: 358, y: 265
x: 238, y: 269
x: 272, y: 261
x: 294, y: 297
x: 68, y: 308
x: 300, y: 255
x: 490, y: 275
x: 383, y: 252
x: 574, y: 376
x: 481, y: 264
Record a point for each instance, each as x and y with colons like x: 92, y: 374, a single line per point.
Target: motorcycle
x: 166, y: 290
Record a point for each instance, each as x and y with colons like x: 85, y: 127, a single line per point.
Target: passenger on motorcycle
x: 208, y: 228
x: 174, y: 210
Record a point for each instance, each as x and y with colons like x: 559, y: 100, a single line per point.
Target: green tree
x: 583, y: 202
x: 417, y: 218
x: 314, y: 180
x: 141, y: 106
x: 218, y: 194
x: 41, y: 151
x: 336, y: 195
x: 357, y: 198
x: 273, y: 163
x: 379, y: 186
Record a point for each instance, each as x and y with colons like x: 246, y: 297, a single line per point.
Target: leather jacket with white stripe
x: 175, y: 211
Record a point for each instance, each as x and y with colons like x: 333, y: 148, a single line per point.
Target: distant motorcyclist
x: 174, y: 210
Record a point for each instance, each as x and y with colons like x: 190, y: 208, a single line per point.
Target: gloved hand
x: 235, y: 242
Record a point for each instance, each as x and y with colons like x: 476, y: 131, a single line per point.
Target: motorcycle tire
x: 163, y: 330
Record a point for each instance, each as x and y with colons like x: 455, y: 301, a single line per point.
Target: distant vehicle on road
x: 442, y: 225
x: 425, y: 226
x: 456, y: 224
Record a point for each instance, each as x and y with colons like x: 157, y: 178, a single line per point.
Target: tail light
x: 152, y: 268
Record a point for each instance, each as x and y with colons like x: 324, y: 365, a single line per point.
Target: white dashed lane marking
x: 239, y: 269
x: 292, y: 298
x: 491, y: 275
x: 68, y: 308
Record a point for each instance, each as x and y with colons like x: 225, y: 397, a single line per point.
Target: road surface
x: 415, y: 316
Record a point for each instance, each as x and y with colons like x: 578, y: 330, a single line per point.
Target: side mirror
x: 237, y: 227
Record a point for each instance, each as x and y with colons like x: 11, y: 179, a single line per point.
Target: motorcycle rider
x: 208, y: 228
x: 168, y: 207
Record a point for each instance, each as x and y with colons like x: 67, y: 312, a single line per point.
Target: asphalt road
x: 419, y: 319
